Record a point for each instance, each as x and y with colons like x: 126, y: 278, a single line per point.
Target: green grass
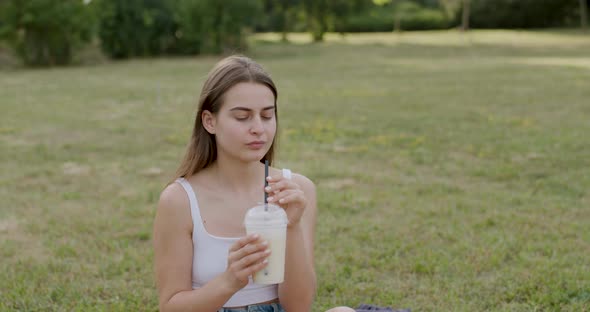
x: 452, y: 170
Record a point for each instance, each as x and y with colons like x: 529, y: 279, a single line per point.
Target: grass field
x: 453, y: 171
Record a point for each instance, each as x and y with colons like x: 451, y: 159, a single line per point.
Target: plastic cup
x: 270, y: 222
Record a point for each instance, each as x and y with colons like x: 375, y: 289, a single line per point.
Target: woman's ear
x: 208, y: 120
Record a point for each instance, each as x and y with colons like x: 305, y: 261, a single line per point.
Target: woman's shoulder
x: 172, y: 193
x: 174, y: 201
x: 304, y: 182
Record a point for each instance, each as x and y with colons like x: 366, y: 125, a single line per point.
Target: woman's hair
x: 202, y: 149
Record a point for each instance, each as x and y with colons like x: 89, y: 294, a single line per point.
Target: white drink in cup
x: 270, y: 222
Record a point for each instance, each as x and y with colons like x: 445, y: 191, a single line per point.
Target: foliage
x: 451, y: 8
x: 381, y: 17
x: 45, y: 32
x: 154, y: 27
x: 316, y: 12
x: 210, y: 26
x: 326, y: 15
x: 282, y: 16
x: 424, y: 19
x: 521, y: 13
x: 48, y: 32
x: 136, y: 27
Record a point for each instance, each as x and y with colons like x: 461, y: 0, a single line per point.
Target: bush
x: 45, y: 32
x: 378, y: 20
x: 382, y: 19
x: 425, y: 19
x: 136, y: 27
x: 212, y: 26
x: 153, y: 27
x: 521, y: 13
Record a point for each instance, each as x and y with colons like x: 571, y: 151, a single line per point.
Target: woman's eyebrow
x: 248, y: 109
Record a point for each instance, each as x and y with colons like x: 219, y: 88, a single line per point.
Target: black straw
x: 265, y: 184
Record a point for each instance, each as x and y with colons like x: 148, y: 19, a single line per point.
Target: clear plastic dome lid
x: 266, y: 215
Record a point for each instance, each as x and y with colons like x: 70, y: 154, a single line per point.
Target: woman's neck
x: 238, y: 177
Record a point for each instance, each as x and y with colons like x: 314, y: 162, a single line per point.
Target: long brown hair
x: 202, y: 148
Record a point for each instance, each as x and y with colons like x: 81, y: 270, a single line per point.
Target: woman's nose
x: 257, y: 126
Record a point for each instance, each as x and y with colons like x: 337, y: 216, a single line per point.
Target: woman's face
x: 246, y: 124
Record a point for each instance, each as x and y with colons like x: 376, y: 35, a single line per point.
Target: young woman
x: 203, y: 259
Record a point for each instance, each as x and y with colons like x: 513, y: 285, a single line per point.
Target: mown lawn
x: 453, y: 171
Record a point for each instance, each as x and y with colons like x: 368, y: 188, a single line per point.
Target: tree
x: 287, y: 10
x: 401, y: 10
x: 583, y: 14
x: 465, y: 15
x: 322, y: 15
x: 451, y: 8
x: 522, y: 13
x: 45, y: 32
x: 136, y: 27
x: 154, y: 27
x: 316, y: 12
x: 212, y: 26
x: 340, y: 11
x: 396, y: 14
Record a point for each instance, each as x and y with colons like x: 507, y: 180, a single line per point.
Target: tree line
x: 48, y: 32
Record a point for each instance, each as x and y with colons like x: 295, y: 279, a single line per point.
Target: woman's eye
x: 267, y: 117
x: 242, y: 118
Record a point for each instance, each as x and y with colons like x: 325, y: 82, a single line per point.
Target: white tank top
x: 210, y: 259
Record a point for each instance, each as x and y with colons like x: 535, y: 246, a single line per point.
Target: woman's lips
x: 255, y: 145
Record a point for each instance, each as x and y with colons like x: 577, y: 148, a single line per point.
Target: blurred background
x: 46, y: 32
x: 448, y: 141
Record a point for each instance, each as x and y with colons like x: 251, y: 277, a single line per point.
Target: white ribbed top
x: 210, y: 258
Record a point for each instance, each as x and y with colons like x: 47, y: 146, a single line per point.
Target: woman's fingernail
x: 267, y: 188
x: 265, y: 243
x: 265, y: 261
x: 268, y: 178
x: 270, y: 198
x: 267, y: 251
x: 282, y: 200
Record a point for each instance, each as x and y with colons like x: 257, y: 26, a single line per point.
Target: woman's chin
x: 252, y: 156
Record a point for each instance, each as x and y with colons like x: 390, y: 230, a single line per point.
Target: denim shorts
x: 268, y: 307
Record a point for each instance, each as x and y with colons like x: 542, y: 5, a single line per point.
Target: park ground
x: 452, y: 170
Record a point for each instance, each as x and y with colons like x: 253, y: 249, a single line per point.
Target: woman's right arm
x: 173, y: 252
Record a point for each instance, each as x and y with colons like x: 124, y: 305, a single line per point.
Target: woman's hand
x: 287, y: 194
x: 246, y: 257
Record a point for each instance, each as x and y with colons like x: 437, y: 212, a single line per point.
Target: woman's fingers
x: 249, y: 265
x: 281, y: 185
x: 243, y: 242
x: 256, y: 267
x: 247, y: 250
x: 292, y: 198
x: 281, y: 182
x: 246, y: 256
x: 286, y: 197
x: 251, y: 259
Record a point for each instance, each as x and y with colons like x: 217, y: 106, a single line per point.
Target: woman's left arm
x: 298, y: 197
